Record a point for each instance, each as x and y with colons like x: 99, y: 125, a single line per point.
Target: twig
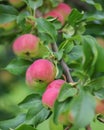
x: 88, y: 127
x: 68, y: 127
x: 63, y: 64
x: 66, y: 71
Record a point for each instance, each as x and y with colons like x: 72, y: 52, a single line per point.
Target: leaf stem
x: 100, y: 119
x: 63, y: 64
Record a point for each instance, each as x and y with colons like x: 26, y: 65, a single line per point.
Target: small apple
x: 17, y: 3
x: 26, y: 46
x: 64, y: 9
x: 40, y: 73
x: 50, y: 95
x: 99, y: 106
x: 8, y: 26
x: 60, y: 12
x: 55, y: 14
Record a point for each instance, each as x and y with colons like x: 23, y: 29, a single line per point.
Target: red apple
x: 26, y: 46
x: 16, y: 3
x: 64, y: 9
x: 99, y: 106
x: 42, y: 71
x: 50, y: 95
x: 55, y: 14
x: 61, y: 12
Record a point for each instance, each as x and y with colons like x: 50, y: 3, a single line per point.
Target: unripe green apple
x: 8, y: 26
x: 66, y: 118
x: 40, y: 73
x: 99, y: 106
x: 50, y: 95
x: 26, y: 46
x: 16, y: 3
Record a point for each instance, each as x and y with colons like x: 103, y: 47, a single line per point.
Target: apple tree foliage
x: 75, y: 43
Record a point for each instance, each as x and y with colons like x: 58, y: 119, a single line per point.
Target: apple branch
x: 68, y: 127
x: 63, y: 64
x: 88, y: 127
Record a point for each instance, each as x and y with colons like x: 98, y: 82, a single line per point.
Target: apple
x: 26, y: 46
x: 50, y: 95
x: 60, y: 12
x: 99, y: 106
x: 40, y: 74
x: 17, y: 3
x: 8, y: 26
x: 64, y: 9
x: 55, y: 14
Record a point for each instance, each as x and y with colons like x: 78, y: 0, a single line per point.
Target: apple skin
x: 40, y: 73
x: 16, y: 3
x: 99, y: 106
x: 26, y: 46
x: 8, y: 26
x: 60, y: 12
x: 64, y: 9
x: 50, y: 95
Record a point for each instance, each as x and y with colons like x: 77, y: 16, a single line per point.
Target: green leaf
x: 55, y: 22
x: 82, y: 108
x: 59, y: 54
x: 37, y: 115
x: 12, y: 123
x: 99, y: 66
x: 47, y: 29
x: 96, y: 84
x: 7, y: 14
x: 67, y: 46
x: 74, y: 17
x: 67, y: 91
x: 76, y: 53
x: 35, y: 111
x: 91, y: 2
x: 30, y: 101
x: 90, y: 53
x: 34, y: 4
x: 53, y: 126
x: 94, y: 16
x: 59, y: 108
x: 22, y: 16
x: 17, y: 66
x: 100, y: 93
x: 7, y: 9
x: 25, y: 127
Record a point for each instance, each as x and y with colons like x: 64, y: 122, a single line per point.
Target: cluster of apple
x: 41, y: 73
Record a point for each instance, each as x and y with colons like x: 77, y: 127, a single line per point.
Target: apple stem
x: 63, y: 64
x: 88, y: 127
